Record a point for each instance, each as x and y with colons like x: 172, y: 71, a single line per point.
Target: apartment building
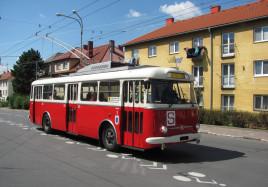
x: 226, y: 50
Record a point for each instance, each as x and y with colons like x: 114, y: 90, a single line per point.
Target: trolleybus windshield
x: 171, y: 92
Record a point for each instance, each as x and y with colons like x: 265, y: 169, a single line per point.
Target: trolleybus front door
x: 132, y: 114
x: 72, y: 108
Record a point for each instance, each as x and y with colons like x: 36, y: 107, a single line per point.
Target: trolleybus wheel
x: 109, y: 139
x: 47, y: 124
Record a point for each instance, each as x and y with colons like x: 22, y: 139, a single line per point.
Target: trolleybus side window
x: 58, y: 93
x: 38, y: 92
x: 109, y: 92
x: 73, y: 92
x: 89, y: 91
x: 32, y: 91
x: 130, y: 94
x: 142, y: 91
x: 125, y: 90
x: 47, y: 91
x: 137, y: 92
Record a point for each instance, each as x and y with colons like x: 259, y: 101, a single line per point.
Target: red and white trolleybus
x: 139, y: 107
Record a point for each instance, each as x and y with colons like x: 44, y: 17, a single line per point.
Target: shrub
x: 3, y: 104
x: 17, y: 101
x: 234, y: 118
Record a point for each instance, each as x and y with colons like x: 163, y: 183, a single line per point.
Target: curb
x: 232, y: 136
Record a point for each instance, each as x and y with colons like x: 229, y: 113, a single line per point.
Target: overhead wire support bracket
x: 70, y: 47
x: 62, y: 46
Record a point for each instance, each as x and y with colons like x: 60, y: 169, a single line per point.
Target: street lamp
x: 80, y: 23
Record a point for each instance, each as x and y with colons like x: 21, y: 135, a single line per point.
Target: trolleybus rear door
x: 72, y: 108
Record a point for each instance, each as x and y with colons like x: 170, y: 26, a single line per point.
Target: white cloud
x: 181, y: 11
x: 42, y: 15
x: 134, y: 14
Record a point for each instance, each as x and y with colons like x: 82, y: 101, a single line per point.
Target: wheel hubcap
x: 109, y: 137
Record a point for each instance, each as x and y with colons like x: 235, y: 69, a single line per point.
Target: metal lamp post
x: 80, y: 23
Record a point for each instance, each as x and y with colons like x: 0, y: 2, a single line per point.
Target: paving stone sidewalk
x: 255, y: 134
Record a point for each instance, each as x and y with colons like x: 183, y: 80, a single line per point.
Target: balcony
x: 196, y: 54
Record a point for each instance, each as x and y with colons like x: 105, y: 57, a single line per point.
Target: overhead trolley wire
x: 119, y: 31
x: 42, y: 31
x: 85, y: 16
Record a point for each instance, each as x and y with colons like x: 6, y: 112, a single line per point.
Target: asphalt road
x: 29, y: 157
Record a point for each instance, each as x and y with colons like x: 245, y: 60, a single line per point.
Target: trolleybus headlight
x: 197, y: 126
x: 164, y: 129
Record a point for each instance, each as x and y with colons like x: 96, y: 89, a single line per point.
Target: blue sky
x: 104, y: 20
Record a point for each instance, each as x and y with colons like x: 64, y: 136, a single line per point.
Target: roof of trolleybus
x: 135, y: 72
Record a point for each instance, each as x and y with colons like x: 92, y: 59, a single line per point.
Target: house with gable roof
x: 6, y: 88
x: 226, y: 50
x: 62, y: 64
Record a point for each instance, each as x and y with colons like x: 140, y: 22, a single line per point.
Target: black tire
x: 46, y: 122
x: 109, y: 139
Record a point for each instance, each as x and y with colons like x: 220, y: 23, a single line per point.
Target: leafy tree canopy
x: 24, y: 71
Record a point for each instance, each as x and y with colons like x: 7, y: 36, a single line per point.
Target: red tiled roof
x: 6, y: 76
x: 100, y: 54
x: 70, y: 55
x: 233, y: 15
x: 51, y: 59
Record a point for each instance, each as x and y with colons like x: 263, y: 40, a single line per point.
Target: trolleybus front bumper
x: 174, y: 139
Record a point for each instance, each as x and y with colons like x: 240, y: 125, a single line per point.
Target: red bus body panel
x: 90, y: 117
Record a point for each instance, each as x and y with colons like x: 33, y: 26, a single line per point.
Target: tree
x: 24, y: 71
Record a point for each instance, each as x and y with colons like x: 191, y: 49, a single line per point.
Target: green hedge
x: 16, y: 101
x: 234, y: 118
x: 3, y: 104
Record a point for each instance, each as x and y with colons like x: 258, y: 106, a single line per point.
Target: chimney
x: 85, y: 47
x: 90, y: 49
x: 120, y: 47
x: 215, y: 9
x: 111, y: 49
x: 169, y: 21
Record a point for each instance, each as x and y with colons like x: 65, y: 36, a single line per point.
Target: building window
x: 65, y: 65
x: 261, y: 68
x: 58, y: 66
x: 261, y: 34
x: 228, y: 76
x: 228, y: 46
x: 135, y: 53
x: 197, y: 42
x: 198, y: 75
x: 261, y: 102
x: 173, y: 47
x: 152, y: 51
x: 227, y: 102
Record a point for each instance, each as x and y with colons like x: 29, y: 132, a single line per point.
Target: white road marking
x: 96, y: 149
x: 112, y: 156
x: 154, y: 165
x: 69, y: 142
x: 195, y: 174
x: 163, y: 168
x: 182, y: 178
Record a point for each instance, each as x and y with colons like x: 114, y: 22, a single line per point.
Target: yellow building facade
x: 231, y: 71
